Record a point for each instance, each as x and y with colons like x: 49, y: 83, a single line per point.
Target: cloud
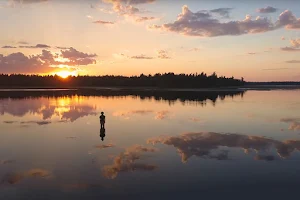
x: 104, y: 22
x: 270, y: 69
x: 290, y: 49
x: 104, y: 146
x: 294, y: 123
x: 142, y: 56
x: 162, y: 54
x: 123, y: 8
x: 128, y: 162
x: 268, y: 9
x: 19, y: 63
x: 143, y: 19
x: 293, y: 61
x: 282, y: 38
x: 41, y: 46
x: 8, y: 47
x: 127, y: 8
x: 202, y: 24
x: 14, y: 178
x: 295, y: 43
x: 295, y: 46
x: 224, y: 12
x: 89, y: 16
x: 45, y: 62
x: 289, y: 20
x: 72, y: 53
x: 252, y: 53
x: 62, y: 48
x: 78, y: 58
x: 206, y: 144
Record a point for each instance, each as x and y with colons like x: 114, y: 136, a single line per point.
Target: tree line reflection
x: 158, y: 95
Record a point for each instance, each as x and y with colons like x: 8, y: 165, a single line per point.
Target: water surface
x: 156, y: 144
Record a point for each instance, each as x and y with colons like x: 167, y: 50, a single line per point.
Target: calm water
x: 156, y: 145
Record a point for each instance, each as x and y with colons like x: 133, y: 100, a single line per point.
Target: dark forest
x: 167, y: 80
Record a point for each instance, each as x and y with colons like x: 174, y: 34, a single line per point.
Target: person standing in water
x: 102, y: 120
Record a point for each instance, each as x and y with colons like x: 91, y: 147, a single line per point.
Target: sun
x: 66, y: 74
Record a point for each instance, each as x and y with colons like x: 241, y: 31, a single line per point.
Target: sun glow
x: 66, y: 74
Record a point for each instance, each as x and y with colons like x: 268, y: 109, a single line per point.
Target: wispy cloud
x: 270, y: 69
x: 142, y: 57
x: 163, y: 54
x: 268, y: 9
x: 144, y: 19
x: 224, y: 12
x: 290, y: 49
x: 8, y: 47
x: 104, y: 22
x: 293, y: 61
x: 41, y: 46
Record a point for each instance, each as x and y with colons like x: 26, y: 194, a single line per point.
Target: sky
x: 257, y: 40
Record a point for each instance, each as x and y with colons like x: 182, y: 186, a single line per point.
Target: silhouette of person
x: 102, y: 133
x: 102, y: 119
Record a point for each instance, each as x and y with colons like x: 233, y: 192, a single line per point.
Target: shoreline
x: 213, y: 89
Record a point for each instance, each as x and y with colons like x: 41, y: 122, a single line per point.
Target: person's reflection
x: 102, y: 133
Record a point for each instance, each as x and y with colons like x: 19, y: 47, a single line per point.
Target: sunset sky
x: 257, y: 40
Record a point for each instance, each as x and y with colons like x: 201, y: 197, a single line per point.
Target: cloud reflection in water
x: 203, y: 144
x: 66, y: 108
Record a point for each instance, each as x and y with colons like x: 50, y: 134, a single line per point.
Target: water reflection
x: 209, y: 145
x: 102, y: 133
x: 66, y: 108
x: 159, y: 115
x: 14, y: 178
x: 294, y: 123
x: 171, y: 96
x: 128, y: 161
x: 70, y: 158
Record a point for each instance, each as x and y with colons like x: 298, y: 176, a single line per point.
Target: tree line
x: 166, y: 80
